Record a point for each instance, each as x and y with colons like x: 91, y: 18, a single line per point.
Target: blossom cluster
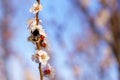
x: 39, y: 38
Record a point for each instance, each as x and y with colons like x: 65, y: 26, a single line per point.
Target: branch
x: 37, y: 45
x: 40, y: 70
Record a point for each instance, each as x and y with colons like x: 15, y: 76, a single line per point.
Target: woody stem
x: 37, y: 18
x: 40, y: 70
x: 37, y: 45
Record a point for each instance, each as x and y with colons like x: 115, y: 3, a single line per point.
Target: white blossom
x: 33, y: 20
x: 33, y: 26
x: 36, y: 8
x: 48, y: 71
x: 41, y: 30
x: 35, y: 58
x: 40, y: 57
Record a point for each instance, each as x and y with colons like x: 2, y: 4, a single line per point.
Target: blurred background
x: 84, y: 37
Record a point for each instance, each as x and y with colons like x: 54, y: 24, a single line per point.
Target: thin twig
x: 40, y: 70
x: 37, y: 18
x: 37, y: 45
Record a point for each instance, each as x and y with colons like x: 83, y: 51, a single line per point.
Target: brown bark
x: 115, y: 28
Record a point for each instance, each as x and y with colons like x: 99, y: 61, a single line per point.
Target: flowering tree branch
x: 38, y: 47
x: 38, y: 37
